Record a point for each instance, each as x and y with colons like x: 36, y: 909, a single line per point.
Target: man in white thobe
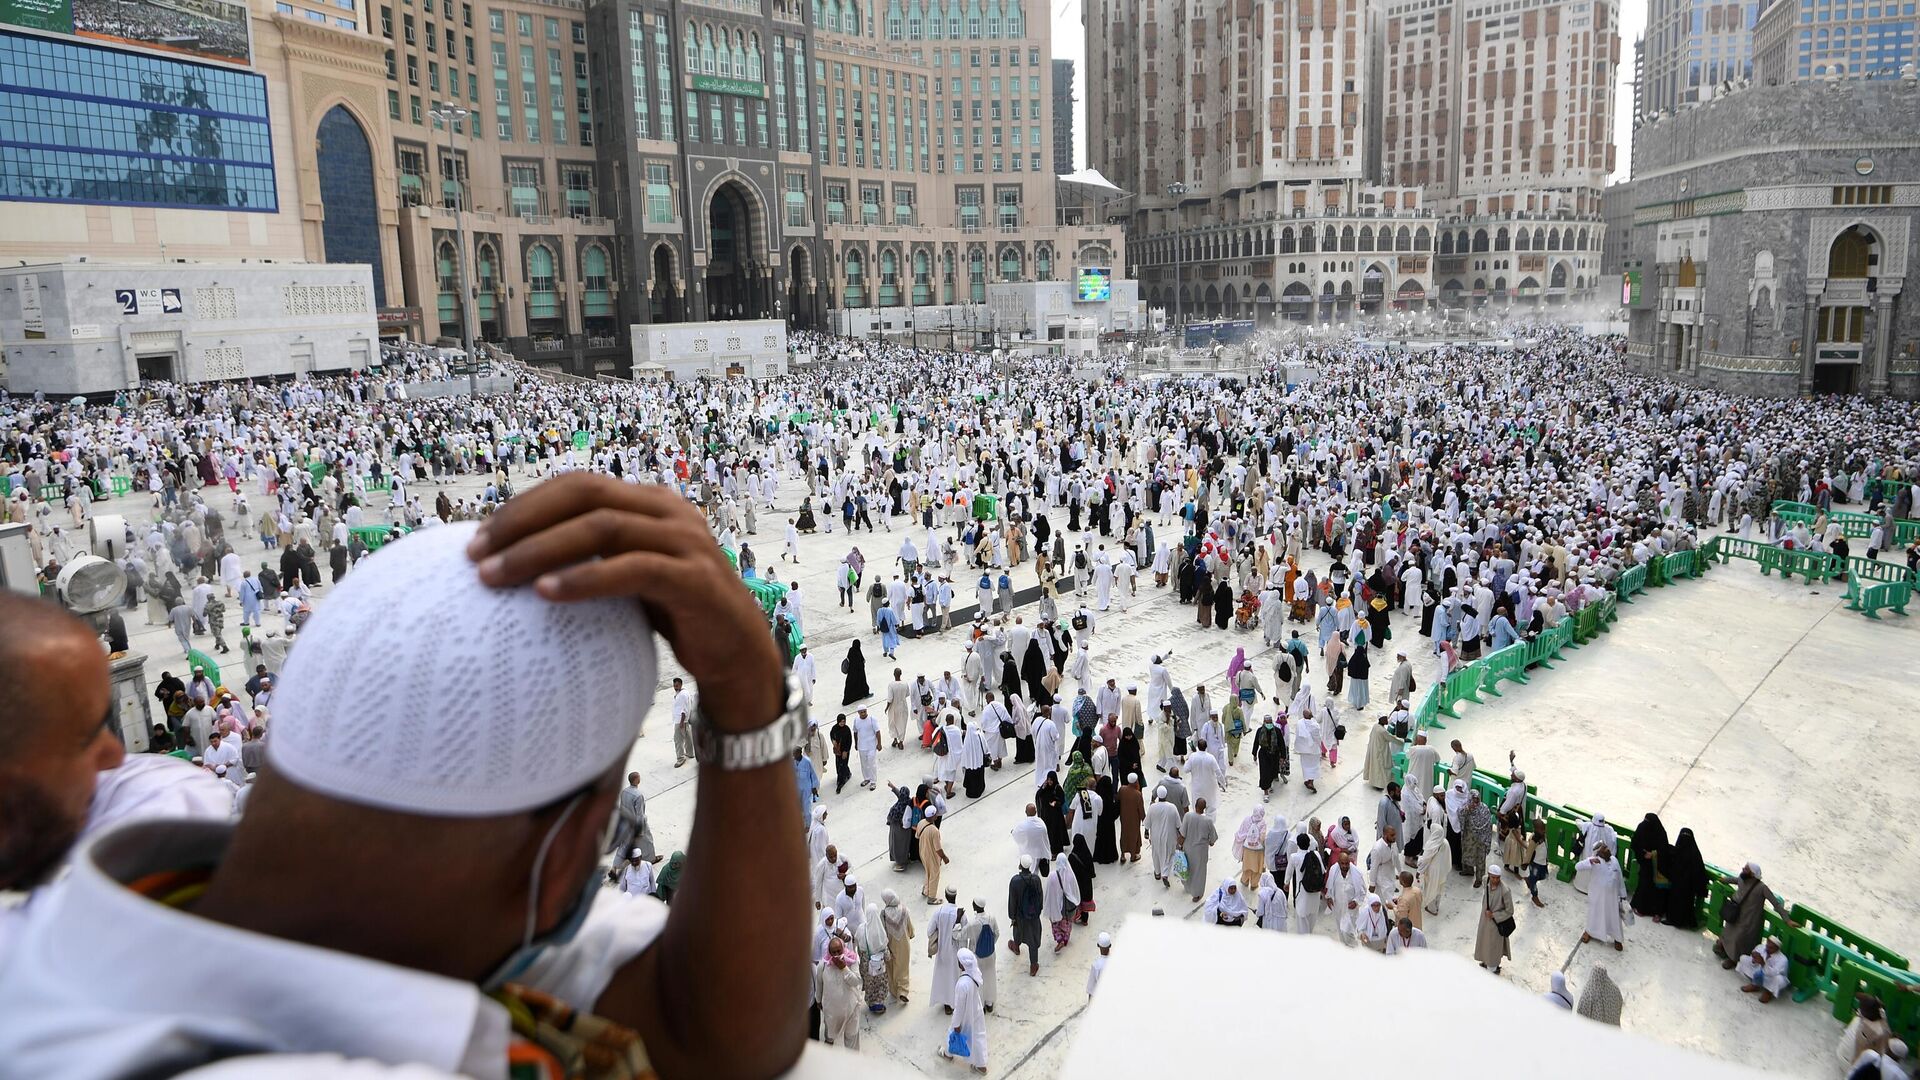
x: 1046, y: 749
x: 1306, y: 747
x: 866, y: 739
x: 1347, y: 888
x: 1202, y: 771
x: 1421, y: 760
x: 1307, y: 906
x: 899, y: 706
x: 942, y: 946
x: 1030, y: 835
x: 1765, y: 969
x: 1606, y: 894
x: 1163, y: 834
x: 1102, y: 581
x: 1384, y: 865
x: 805, y: 670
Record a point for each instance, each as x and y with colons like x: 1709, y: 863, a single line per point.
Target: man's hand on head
x: 586, y: 535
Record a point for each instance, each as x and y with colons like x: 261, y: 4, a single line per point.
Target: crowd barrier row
x: 1853, y: 524
x: 1828, y: 960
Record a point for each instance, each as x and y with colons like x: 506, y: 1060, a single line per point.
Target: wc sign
x: 150, y: 301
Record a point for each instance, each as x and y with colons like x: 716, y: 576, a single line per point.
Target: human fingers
x: 565, y: 497
x: 601, y: 532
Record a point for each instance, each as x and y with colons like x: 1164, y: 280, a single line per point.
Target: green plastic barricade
x: 1865, y: 573
x: 198, y: 659
x: 1815, y: 923
x: 122, y: 485
x: 1586, y: 624
x: 1893, y: 596
x: 1462, y: 685
x: 1509, y: 663
x: 1633, y: 581
x: 1851, y: 978
x: 375, y: 537
x: 986, y: 507
x: 1788, y: 506
x: 1732, y: 547
x: 1656, y: 571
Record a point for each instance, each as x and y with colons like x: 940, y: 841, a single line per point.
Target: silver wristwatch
x: 747, y: 750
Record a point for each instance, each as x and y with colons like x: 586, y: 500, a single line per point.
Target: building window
x: 523, y: 184
x: 969, y: 199
x: 542, y: 301
x: 796, y: 199
x: 836, y: 203
x: 579, y: 186
x: 659, y: 193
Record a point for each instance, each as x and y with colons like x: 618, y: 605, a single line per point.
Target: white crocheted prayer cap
x: 415, y: 687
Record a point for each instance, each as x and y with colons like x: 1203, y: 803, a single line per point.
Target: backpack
x: 1080, y: 560
x: 1079, y: 622
x: 984, y: 946
x: 1313, y: 876
x: 940, y: 742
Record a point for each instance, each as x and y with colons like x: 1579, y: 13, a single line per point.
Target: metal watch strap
x: 747, y: 750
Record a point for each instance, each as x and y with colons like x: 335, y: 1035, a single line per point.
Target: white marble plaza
x: 1760, y: 713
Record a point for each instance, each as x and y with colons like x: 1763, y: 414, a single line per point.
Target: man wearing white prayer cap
x: 521, y: 683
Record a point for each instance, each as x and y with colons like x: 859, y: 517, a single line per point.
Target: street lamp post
x: 1174, y: 191
x: 446, y: 116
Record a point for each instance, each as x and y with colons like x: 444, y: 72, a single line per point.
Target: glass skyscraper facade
x: 81, y: 123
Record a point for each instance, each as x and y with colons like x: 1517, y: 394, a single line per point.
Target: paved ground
x: 1738, y: 705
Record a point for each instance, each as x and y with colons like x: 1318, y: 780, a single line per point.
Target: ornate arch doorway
x: 735, y: 282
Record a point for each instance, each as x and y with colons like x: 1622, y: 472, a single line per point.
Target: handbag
x: 1505, y: 926
x: 1729, y: 910
x: 958, y: 1045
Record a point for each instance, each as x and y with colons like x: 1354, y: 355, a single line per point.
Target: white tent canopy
x: 1091, y: 178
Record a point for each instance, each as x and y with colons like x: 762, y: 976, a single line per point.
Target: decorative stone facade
x: 1770, y: 239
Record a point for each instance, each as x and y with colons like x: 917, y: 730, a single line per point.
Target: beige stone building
x: 934, y: 141
x: 1318, y: 160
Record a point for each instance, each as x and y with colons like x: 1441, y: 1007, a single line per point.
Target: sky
x: 1070, y: 43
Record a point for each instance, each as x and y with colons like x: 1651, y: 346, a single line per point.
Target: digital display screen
x: 1095, y: 283
x: 215, y: 29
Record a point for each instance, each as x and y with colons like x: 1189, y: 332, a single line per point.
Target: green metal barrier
x: 53, y: 493
x: 122, y: 485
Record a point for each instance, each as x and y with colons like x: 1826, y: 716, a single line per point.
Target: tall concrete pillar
x: 1809, y: 328
x: 1882, y: 337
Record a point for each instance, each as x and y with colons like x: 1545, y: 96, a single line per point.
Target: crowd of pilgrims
x: 1480, y: 492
